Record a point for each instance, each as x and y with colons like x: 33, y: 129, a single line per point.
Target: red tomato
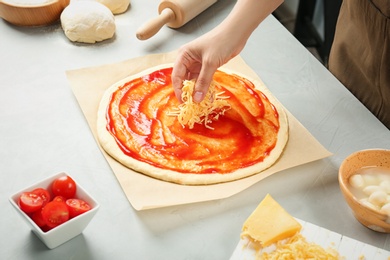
x: 46, y: 228
x: 37, y: 218
x: 77, y: 207
x: 59, y: 198
x: 44, y: 194
x: 64, y: 186
x: 30, y: 202
x: 55, y: 213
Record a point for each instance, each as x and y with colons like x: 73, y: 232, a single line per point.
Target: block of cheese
x: 269, y: 223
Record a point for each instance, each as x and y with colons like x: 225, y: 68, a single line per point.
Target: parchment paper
x: 143, y: 192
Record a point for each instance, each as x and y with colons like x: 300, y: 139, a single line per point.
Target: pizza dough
x: 116, y: 6
x: 134, y: 127
x: 87, y: 22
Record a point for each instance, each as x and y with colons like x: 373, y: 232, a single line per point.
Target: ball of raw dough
x: 88, y: 22
x: 116, y: 6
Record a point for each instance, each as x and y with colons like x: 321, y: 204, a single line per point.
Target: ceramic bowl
x: 372, y: 218
x: 24, y: 13
x: 65, y: 231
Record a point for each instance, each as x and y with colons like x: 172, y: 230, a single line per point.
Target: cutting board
x: 347, y: 247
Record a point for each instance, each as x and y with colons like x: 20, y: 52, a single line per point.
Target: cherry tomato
x: 44, y: 194
x: 64, y: 186
x: 59, y: 198
x: 45, y: 228
x: 77, y: 207
x: 37, y: 218
x: 30, y: 202
x: 55, y: 213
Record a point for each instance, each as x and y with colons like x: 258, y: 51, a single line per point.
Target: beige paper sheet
x: 143, y: 192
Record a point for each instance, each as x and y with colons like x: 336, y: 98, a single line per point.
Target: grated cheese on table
x: 296, y: 247
x: 209, y: 109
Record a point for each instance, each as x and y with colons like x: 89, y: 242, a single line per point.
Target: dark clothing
x: 360, y: 54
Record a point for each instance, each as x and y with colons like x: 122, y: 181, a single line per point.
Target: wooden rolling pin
x: 174, y: 13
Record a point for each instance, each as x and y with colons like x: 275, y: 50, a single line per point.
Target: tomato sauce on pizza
x: 138, y: 119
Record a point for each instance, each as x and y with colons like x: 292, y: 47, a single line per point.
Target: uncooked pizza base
x: 108, y: 142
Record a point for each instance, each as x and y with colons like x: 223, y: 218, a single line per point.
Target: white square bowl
x: 67, y: 230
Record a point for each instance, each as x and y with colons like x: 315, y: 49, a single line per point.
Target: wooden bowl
x: 369, y: 217
x: 32, y: 15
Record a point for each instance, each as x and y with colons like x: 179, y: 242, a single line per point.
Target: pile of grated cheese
x: 209, y: 109
x: 296, y: 247
x: 275, y: 235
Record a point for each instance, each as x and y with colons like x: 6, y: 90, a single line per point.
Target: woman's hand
x: 200, y: 58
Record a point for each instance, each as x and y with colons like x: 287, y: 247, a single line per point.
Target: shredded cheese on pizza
x: 296, y: 247
x: 209, y: 109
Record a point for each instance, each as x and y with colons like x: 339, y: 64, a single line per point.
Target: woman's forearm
x: 201, y: 57
x: 247, y: 15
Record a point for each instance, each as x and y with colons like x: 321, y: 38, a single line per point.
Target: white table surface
x: 43, y: 131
